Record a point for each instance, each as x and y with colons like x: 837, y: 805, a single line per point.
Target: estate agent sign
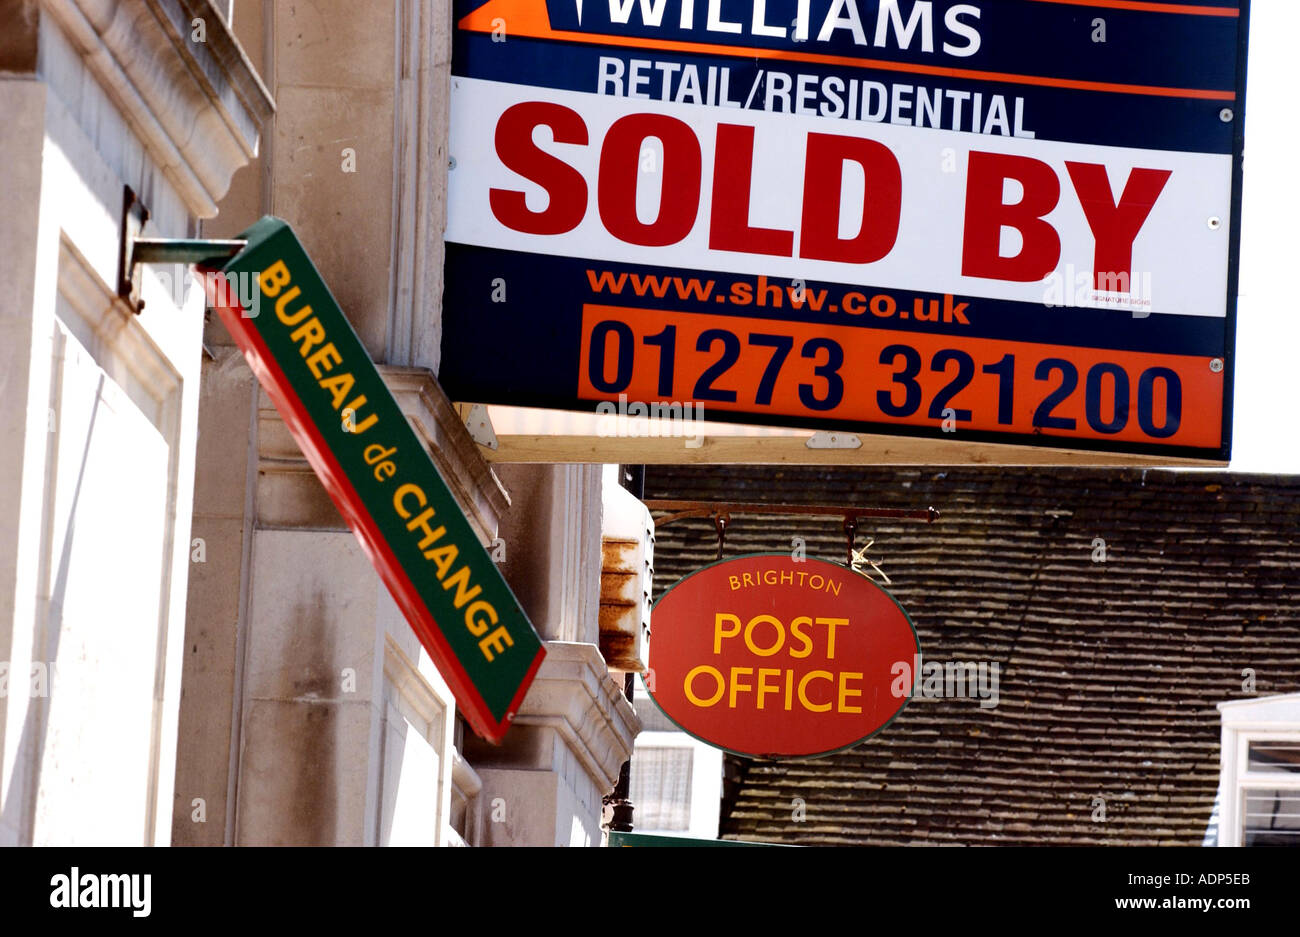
x: 1010, y: 221
x: 330, y: 395
x: 770, y: 656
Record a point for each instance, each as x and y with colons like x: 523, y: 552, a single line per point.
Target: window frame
x: 1267, y: 719
x: 1248, y: 780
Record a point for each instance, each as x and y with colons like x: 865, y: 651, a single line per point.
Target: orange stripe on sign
x: 790, y: 369
x: 529, y: 18
x: 1188, y: 9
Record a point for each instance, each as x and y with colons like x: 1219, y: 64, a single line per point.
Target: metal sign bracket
x: 479, y: 423
x: 720, y: 513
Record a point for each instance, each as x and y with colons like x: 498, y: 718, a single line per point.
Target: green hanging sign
x: 335, y: 403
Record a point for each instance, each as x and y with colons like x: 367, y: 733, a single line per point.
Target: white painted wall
x: 100, y: 472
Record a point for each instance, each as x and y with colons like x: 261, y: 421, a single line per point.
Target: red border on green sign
x: 344, y: 495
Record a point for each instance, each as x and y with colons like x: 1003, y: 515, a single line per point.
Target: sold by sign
x: 1010, y: 221
x: 769, y: 656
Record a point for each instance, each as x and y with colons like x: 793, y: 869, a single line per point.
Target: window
x: 676, y: 782
x: 1271, y: 814
x: 1271, y: 817
x: 661, y: 788
x: 1259, y: 781
x: 1281, y: 756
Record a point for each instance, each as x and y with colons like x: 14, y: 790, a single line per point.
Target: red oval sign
x: 769, y: 656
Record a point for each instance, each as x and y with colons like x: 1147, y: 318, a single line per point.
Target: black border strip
x: 1234, y: 243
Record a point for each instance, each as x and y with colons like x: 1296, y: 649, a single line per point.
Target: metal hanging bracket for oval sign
x: 769, y: 656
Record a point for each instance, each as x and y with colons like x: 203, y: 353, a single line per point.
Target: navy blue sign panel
x: 1011, y: 221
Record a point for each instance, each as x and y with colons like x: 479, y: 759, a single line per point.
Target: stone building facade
x: 101, y: 423
x: 223, y: 665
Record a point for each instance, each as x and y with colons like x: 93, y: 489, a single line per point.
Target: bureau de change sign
x: 335, y: 403
x: 1010, y: 221
x: 770, y: 656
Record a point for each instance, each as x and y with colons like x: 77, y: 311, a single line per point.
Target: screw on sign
x: 765, y: 656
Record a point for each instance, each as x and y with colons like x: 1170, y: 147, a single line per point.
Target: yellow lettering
x: 749, y: 635
x: 690, y: 684
x: 365, y: 424
x: 762, y: 683
x: 400, y: 496
x: 311, y: 333
x: 422, y: 522
x: 831, y: 624
x: 493, y: 641
x: 386, y: 468
x: 339, y: 387
x: 320, y: 361
x: 374, y: 452
x: 443, y: 557
x: 719, y: 634
x: 736, y: 685
x: 284, y: 301
x: 274, y: 278
x: 474, y: 623
x: 460, y: 580
x: 803, y: 690
x: 845, y: 693
x: 797, y: 633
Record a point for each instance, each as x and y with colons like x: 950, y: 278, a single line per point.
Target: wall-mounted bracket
x: 825, y: 440
x: 680, y: 510
x: 134, y: 217
x: 182, y: 250
x: 480, y: 427
x: 135, y: 251
x: 720, y: 512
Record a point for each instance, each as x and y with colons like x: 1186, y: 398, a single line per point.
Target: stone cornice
x: 197, y: 106
x: 574, y: 694
x: 434, y: 420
